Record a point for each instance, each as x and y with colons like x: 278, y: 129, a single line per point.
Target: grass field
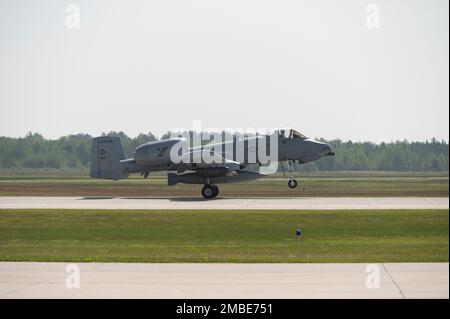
x: 310, y: 184
x: 224, y: 236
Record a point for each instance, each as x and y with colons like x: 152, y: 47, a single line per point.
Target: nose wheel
x: 287, y: 167
x: 292, y: 183
x: 210, y: 191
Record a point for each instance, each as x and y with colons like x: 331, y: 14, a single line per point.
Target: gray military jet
x: 108, y: 160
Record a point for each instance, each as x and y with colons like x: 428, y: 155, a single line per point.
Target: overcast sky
x: 323, y: 67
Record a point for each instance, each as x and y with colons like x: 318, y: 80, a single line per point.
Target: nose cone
x: 310, y: 150
x: 324, y: 149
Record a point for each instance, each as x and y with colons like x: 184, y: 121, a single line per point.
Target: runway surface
x: 49, y: 280
x: 299, y: 203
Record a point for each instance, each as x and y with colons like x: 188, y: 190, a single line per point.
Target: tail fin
x: 106, y: 155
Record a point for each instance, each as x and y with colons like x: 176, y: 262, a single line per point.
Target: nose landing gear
x: 287, y: 166
x: 210, y: 191
x: 292, y: 183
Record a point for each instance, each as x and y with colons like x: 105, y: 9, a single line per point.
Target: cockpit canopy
x: 292, y: 134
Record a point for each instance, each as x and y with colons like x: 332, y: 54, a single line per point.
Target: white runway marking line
x: 131, y: 280
x: 299, y: 203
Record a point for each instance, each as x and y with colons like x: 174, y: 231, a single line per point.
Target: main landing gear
x: 210, y: 191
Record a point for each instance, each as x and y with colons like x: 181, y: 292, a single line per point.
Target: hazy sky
x: 140, y: 66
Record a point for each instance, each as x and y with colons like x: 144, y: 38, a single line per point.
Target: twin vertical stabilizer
x: 106, y: 154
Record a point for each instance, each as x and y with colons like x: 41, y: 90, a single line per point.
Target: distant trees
x: 34, y: 151
x: 73, y: 151
x: 395, y: 156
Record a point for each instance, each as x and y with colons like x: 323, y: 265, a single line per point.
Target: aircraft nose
x: 325, y: 150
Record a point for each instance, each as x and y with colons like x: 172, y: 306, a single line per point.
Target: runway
x: 108, y: 280
x: 299, y: 203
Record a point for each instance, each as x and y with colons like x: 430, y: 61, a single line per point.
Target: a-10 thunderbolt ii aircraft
x: 108, y: 160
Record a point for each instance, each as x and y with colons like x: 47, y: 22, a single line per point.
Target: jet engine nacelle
x: 155, y: 153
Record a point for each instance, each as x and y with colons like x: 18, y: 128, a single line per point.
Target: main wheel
x: 216, y: 190
x: 208, y: 191
x: 292, y: 183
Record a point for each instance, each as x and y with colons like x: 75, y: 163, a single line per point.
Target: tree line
x: 73, y: 151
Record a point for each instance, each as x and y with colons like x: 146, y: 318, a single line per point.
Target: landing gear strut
x: 210, y: 191
x: 287, y: 166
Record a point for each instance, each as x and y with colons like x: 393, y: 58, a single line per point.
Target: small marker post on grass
x: 298, y: 234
